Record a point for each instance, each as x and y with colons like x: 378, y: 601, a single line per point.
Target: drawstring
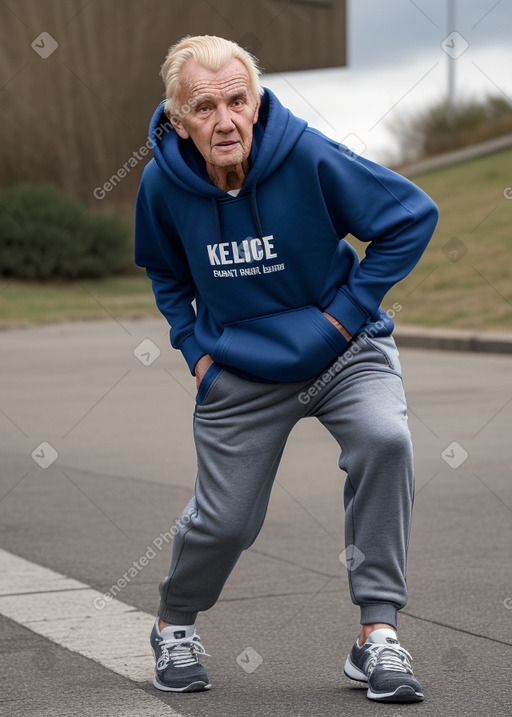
x: 217, y: 219
x: 255, y: 215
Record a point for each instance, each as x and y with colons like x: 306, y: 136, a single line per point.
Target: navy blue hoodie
x: 263, y: 266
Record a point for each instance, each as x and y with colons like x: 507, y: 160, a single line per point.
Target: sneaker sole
x: 193, y: 687
x: 405, y: 693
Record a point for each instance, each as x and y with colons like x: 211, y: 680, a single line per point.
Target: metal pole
x: 450, y: 104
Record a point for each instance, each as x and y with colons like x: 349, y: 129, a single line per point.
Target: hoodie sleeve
x: 378, y: 206
x: 159, y: 250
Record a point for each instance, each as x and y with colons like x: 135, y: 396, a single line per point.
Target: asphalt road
x: 97, y: 463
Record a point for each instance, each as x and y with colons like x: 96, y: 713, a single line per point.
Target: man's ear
x: 176, y: 123
x: 256, y: 112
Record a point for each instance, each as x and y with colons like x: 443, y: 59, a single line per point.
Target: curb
x: 447, y: 159
x: 446, y: 340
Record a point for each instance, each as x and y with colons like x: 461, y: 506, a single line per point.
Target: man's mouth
x: 227, y: 144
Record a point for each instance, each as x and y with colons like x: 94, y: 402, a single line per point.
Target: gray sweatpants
x: 241, y: 428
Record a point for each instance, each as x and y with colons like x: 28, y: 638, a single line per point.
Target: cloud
x: 362, y: 105
x: 391, y: 33
x: 397, y: 68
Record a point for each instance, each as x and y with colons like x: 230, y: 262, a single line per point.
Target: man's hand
x: 202, y: 367
x: 340, y: 328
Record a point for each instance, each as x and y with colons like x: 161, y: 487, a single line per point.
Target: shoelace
x: 181, y: 653
x: 396, y: 658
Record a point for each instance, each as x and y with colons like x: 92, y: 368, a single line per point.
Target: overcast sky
x: 394, y: 31
x: 398, y: 66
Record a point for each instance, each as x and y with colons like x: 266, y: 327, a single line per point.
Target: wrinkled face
x: 221, y: 111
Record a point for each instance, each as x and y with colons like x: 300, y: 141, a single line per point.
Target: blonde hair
x: 211, y: 52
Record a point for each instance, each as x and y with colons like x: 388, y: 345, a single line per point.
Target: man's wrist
x: 202, y: 367
x: 339, y: 326
x: 197, y: 363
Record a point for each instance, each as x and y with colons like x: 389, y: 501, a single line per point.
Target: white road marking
x: 62, y: 610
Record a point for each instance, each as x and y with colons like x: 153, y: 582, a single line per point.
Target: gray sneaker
x: 385, y: 666
x: 177, y: 666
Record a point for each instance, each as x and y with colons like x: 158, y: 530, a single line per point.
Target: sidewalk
x: 115, y: 403
x: 453, y: 340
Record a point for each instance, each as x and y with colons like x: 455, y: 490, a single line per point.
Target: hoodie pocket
x: 288, y: 346
x: 207, y: 383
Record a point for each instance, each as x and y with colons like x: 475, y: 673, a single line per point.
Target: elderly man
x: 244, y: 210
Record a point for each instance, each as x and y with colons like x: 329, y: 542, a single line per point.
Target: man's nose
x: 224, y: 120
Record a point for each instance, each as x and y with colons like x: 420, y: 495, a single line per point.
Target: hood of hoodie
x: 261, y: 299
x: 272, y: 142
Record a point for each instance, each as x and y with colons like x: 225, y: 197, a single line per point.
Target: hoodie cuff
x: 191, y: 351
x: 347, y: 312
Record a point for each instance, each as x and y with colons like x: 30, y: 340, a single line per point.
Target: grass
x: 464, y: 279
x: 24, y: 304
x: 470, y: 288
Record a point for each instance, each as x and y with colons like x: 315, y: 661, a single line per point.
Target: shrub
x: 430, y: 132
x: 45, y: 234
